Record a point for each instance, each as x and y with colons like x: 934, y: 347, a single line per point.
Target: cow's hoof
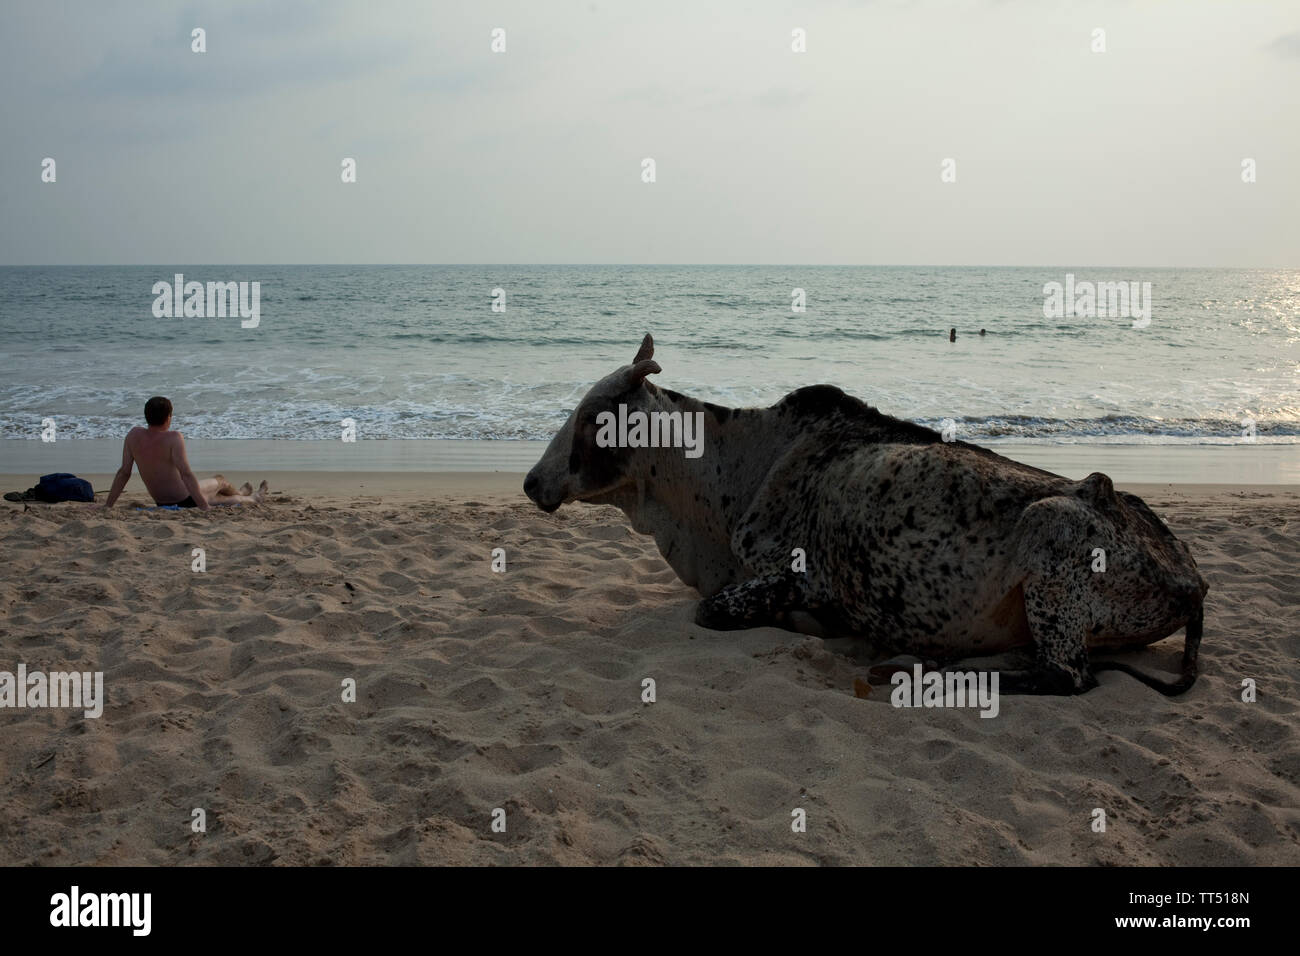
x: 716, y: 616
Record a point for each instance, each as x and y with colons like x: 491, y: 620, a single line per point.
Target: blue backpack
x: 63, y: 487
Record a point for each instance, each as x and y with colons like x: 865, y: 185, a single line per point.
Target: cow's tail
x: 1195, y: 627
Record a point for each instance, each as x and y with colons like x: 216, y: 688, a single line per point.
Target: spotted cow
x: 824, y: 515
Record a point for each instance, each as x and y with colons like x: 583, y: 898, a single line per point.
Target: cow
x: 823, y: 515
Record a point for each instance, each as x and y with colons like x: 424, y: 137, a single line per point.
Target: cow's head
x: 574, y: 467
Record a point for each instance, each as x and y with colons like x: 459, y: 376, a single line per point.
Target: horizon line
x: 662, y: 265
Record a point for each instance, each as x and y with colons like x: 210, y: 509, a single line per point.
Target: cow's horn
x: 646, y: 351
x: 637, y: 373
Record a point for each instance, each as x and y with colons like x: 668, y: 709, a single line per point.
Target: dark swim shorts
x: 189, y: 502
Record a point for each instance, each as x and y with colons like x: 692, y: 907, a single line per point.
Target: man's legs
x: 218, y: 491
x: 216, y: 486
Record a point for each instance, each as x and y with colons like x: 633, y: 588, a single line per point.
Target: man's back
x: 155, y: 456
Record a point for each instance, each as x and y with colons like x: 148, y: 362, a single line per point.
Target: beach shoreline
x: 1238, y: 463
x: 346, y: 488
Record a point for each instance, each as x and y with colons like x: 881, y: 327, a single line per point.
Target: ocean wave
x: 540, y: 422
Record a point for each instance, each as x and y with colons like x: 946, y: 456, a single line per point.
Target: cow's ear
x: 646, y: 351
x: 637, y: 373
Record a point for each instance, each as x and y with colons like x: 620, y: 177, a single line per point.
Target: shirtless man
x: 160, y: 455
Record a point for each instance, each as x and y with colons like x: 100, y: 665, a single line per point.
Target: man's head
x: 574, y: 465
x: 158, y: 412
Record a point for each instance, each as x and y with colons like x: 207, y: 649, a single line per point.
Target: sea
x: 504, y: 353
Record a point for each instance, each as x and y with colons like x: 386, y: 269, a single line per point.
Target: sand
x: 522, y: 691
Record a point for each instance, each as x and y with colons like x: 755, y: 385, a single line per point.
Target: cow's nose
x: 530, y: 486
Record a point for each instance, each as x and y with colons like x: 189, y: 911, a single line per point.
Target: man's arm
x: 123, y: 474
x: 182, y: 463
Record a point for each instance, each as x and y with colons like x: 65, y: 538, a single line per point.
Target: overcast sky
x: 763, y: 155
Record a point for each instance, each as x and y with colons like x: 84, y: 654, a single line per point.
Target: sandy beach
x: 522, y: 690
